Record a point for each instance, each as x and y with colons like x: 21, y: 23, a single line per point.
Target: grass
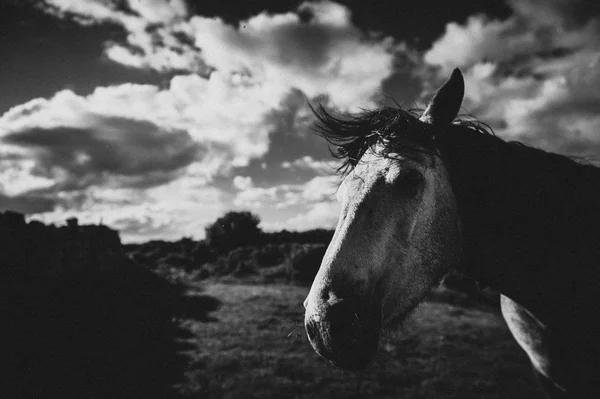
x: 254, y: 346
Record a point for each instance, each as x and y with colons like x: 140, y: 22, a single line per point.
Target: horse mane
x: 398, y: 130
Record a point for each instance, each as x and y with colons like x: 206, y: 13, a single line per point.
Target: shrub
x: 271, y: 255
x: 176, y: 260
x: 202, y: 253
x: 206, y: 270
x: 234, y: 229
x: 245, y: 268
x: 232, y: 262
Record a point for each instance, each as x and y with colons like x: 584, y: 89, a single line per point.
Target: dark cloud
x: 27, y: 204
x: 123, y: 150
x: 291, y: 138
x: 570, y: 13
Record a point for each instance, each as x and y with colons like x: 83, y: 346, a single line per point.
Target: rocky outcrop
x: 33, y: 255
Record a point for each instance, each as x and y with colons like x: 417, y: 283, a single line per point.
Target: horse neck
x: 530, y: 218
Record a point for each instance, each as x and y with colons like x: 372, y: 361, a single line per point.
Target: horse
x: 427, y: 193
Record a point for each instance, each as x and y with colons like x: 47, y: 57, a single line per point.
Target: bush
x: 270, y: 255
x: 202, y: 253
x: 176, y: 260
x: 233, y: 230
x: 245, y: 268
x: 239, y: 261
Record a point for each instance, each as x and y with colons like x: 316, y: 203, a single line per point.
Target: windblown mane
x: 400, y: 130
x: 396, y: 129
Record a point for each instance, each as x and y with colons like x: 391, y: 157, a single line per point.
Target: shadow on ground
x: 102, y: 334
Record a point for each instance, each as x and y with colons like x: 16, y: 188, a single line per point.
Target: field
x: 254, y: 346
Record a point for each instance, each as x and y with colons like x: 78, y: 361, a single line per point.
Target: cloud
x: 327, y: 55
x: 315, y: 49
x: 87, y: 11
x: 126, y: 151
x: 319, y: 215
x: 159, y: 10
x: 537, y: 33
x: 242, y: 182
x: 532, y: 76
x: 319, y: 188
x: 26, y: 203
x: 322, y: 168
x: 161, y: 145
x: 154, y: 38
x: 179, y: 208
x: 259, y: 197
x: 17, y: 175
x: 98, y: 11
x: 217, y: 122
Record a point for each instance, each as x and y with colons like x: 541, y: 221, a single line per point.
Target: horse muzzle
x: 345, y: 334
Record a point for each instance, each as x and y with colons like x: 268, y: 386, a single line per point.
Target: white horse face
x: 398, y: 233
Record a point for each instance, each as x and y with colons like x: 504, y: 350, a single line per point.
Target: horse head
x: 397, y: 235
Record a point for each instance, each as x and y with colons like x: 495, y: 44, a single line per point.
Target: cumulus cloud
x: 179, y: 208
x: 533, y: 76
x: 327, y: 55
x: 242, y: 182
x: 318, y: 215
x: 131, y: 129
x: 130, y: 152
x: 96, y: 11
x: 159, y: 10
x: 322, y: 168
x: 537, y: 33
x: 323, y: 54
x: 319, y: 188
x: 154, y: 31
x: 17, y: 175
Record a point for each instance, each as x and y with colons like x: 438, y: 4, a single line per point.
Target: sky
x: 156, y: 117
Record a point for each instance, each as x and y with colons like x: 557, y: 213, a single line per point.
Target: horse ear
x: 445, y: 104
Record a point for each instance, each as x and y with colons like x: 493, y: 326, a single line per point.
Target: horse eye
x: 410, y: 181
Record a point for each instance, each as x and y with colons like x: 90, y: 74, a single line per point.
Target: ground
x: 254, y: 346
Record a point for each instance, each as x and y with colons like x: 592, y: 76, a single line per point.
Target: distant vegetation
x: 235, y: 247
